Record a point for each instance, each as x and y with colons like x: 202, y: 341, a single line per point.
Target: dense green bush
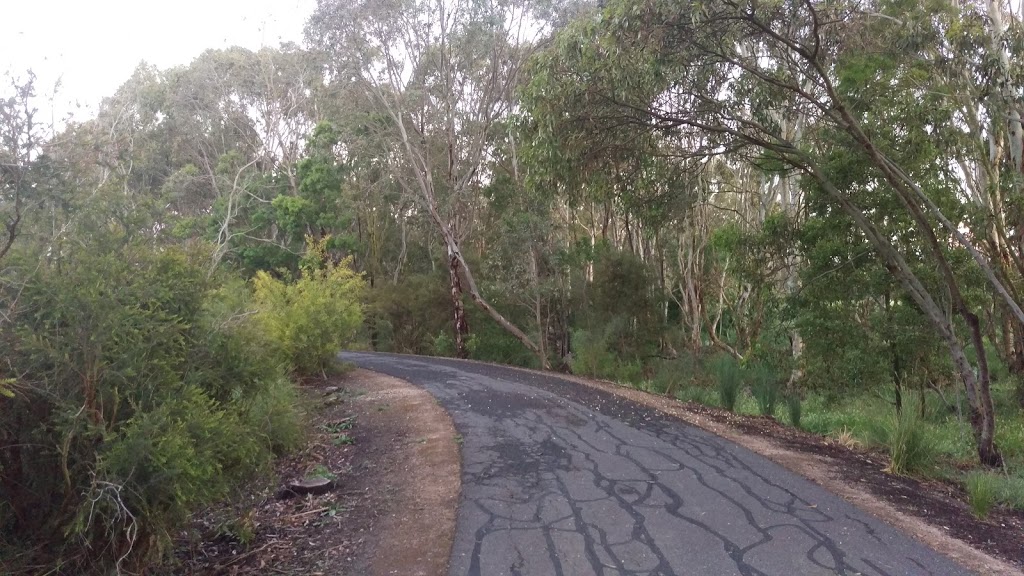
x: 593, y: 355
x: 141, y: 392
x: 675, y: 374
x: 406, y: 317
x: 310, y: 320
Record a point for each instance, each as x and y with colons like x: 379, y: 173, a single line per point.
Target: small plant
x: 846, y: 439
x: 726, y: 370
x: 794, y: 407
x: 982, y: 491
x: 241, y: 530
x: 459, y: 439
x: 343, y: 440
x: 764, y: 385
x: 321, y: 471
x: 339, y: 426
x: 696, y: 394
x: 674, y: 375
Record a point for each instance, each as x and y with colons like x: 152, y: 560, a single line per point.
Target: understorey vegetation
x: 805, y: 210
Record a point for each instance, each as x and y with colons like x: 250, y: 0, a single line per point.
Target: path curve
x: 562, y: 479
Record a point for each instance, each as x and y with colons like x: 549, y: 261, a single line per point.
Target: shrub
x: 911, y: 449
x: 764, y: 385
x: 729, y: 381
x: 145, y: 397
x: 406, y: 317
x: 982, y: 492
x: 311, y: 320
x: 1011, y: 491
x: 273, y: 415
x: 673, y: 375
x: 696, y: 394
x: 591, y: 356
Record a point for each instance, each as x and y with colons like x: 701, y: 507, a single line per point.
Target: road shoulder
x: 417, y: 463
x: 392, y: 456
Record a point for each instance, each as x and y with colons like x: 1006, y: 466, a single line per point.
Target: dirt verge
x: 391, y: 453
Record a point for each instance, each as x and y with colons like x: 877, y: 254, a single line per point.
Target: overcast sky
x: 94, y: 45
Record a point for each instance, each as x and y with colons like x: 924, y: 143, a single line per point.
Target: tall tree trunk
x: 458, y: 310
x: 542, y: 352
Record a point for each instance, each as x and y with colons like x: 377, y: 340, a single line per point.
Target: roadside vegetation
x: 803, y: 210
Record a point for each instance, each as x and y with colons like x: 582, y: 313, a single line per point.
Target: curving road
x: 560, y: 479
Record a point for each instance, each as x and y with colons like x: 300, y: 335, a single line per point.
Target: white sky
x: 94, y: 45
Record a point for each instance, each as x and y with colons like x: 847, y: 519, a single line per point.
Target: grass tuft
x: 794, y: 408
x: 912, y: 449
x: 982, y: 492
x: 764, y: 386
x: 726, y: 370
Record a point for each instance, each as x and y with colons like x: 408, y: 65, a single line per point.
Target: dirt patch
x: 391, y: 452
x: 416, y: 535
x: 934, y: 512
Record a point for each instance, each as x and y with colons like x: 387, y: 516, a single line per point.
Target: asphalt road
x: 560, y: 479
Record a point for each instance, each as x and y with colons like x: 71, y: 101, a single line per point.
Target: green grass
x: 697, y: 394
x: 343, y: 440
x: 794, y: 409
x: 765, y: 386
x: 981, y: 492
x: 908, y: 440
x: 729, y: 379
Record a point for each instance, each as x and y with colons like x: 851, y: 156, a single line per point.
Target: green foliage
x: 729, y: 380
x: 407, y: 317
x: 321, y: 471
x: 794, y: 409
x: 766, y: 387
x: 622, y: 308
x: 697, y: 394
x: 676, y: 374
x: 184, y: 453
x: 1010, y: 490
x: 593, y: 356
x: 146, y: 390
x: 310, y: 320
x: 911, y: 448
x: 982, y: 491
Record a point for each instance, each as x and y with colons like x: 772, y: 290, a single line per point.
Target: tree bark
x: 460, y: 324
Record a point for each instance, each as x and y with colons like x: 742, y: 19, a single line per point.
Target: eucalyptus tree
x: 442, y: 74
x: 975, y: 66
x: 718, y: 76
x: 21, y: 141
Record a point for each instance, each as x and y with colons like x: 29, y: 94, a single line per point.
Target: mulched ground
x: 942, y: 504
x: 262, y: 533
